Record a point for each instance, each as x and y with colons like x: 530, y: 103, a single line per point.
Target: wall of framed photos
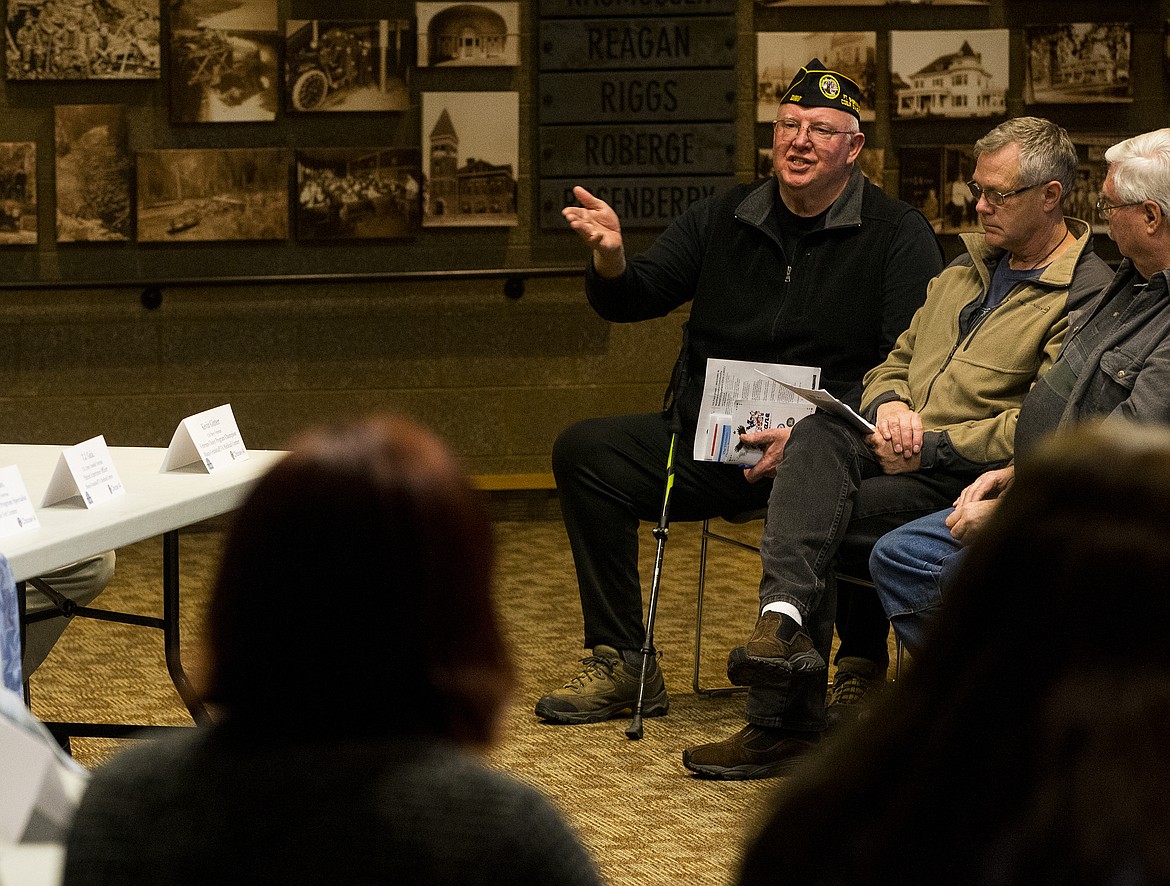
x: 497, y: 376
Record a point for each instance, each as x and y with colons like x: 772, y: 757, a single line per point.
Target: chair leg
x: 711, y: 691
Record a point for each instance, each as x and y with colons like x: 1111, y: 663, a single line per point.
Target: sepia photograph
x: 201, y: 195
x: 471, y: 149
x: 1078, y: 63
x: 93, y: 173
x: 18, y: 193
x: 468, y: 34
x: 348, y: 65
x: 949, y: 74
x: 934, y: 180
x: 1091, y: 169
x: 224, y: 61
x: 779, y: 55
x: 370, y: 193
x: 83, y: 39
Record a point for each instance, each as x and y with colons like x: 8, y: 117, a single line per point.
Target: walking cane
x: 660, y: 532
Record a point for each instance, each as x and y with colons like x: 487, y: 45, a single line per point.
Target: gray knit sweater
x: 207, y: 806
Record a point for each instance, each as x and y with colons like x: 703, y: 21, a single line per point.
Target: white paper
x: 741, y: 396
x: 211, y: 438
x: 822, y: 399
x: 86, y: 470
x: 16, y: 509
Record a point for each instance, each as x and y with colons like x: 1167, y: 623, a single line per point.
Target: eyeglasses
x: 789, y: 129
x: 1105, y: 209
x: 994, y: 197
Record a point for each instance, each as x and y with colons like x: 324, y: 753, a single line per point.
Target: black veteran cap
x: 814, y: 86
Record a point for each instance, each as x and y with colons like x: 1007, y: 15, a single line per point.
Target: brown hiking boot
x: 753, y: 752
x: 778, y: 646
x: 857, y: 683
x: 605, y: 688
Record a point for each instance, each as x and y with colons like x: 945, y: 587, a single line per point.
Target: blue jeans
x: 911, y: 566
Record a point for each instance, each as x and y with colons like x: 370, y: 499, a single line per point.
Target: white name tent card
x: 211, y: 438
x: 16, y: 509
x: 86, y: 470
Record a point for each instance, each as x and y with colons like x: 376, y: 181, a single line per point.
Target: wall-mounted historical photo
x: 1091, y: 169
x: 1078, y: 63
x: 934, y: 179
x: 468, y: 34
x: 779, y: 55
x: 93, y: 173
x: 83, y: 39
x: 224, y: 62
x: 347, y: 65
x: 871, y: 160
x: 233, y: 194
x: 18, y: 193
x: 471, y: 146
x: 949, y: 74
x: 358, y: 193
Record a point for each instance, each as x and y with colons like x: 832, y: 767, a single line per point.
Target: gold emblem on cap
x: 830, y: 88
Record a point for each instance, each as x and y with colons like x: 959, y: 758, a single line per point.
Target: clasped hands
x: 897, y: 443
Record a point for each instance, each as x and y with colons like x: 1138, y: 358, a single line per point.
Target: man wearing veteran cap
x: 814, y: 266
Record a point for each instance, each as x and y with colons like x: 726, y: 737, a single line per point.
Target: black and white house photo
x: 468, y: 34
x: 224, y: 62
x: 471, y: 151
x: 949, y: 74
x: 359, y: 193
x: 213, y: 194
x: 83, y: 40
x: 779, y: 55
x: 1078, y: 63
x: 93, y: 173
x: 18, y: 193
x: 348, y: 65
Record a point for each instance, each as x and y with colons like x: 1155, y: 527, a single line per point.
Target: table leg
x: 171, y: 630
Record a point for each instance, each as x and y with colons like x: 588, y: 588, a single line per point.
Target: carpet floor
x: 645, y: 820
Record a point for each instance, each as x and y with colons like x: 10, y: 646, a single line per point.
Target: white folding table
x: 154, y: 504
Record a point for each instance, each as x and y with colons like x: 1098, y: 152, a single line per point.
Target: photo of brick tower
x: 471, y: 153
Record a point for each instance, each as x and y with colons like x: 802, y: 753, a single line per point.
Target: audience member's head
x: 1027, y: 743
x: 355, y: 592
x: 1046, y: 151
x: 1140, y: 167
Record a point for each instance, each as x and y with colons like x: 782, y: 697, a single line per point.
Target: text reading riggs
x: 638, y: 95
x: 618, y: 43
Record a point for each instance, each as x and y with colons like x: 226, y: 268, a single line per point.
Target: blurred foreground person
x: 357, y: 659
x: 1027, y: 745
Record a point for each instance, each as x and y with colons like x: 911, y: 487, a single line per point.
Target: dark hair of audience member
x: 354, y: 593
x: 1028, y: 742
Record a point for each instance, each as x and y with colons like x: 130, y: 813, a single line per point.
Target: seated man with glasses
x: 813, y: 266
x: 945, y: 403
x: 1115, y: 362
